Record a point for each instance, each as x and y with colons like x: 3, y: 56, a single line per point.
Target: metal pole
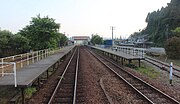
x: 13, y: 58
x: 2, y: 66
x: 32, y: 57
x: 167, y: 30
x: 15, y: 78
x: 112, y: 35
x: 21, y: 61
x: 27, y: 58
x: 45, y: 52
x: 170, y: 74
x: 37, y: 55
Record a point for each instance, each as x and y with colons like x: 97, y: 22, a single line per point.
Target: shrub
x: 172, y: 48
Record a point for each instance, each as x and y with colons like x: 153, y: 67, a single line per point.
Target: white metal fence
x: 9, y: 65
x: 128, y: 50
x: 131, y: 50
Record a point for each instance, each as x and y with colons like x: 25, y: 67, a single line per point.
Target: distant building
x: 142, y: 42
x: 81, y: 40
x: 135, y: 41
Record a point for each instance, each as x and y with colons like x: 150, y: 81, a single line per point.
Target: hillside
x: 161, y: 22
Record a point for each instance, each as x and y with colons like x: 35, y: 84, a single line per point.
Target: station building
x: 81, y: 40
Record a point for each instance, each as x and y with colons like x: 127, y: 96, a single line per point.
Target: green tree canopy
x: 177, y: 32
x: 96, y: 39
x: 62, y: 39
x: 42, y: 33
x: 4, y: 39
x: 160, y: 22
x: 11, y: 44
x: 19, y: 43
x: 172, y: 48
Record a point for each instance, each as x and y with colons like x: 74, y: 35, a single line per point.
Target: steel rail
x: 76, y: 75
x: 50, y: 100
x: 160, y: 63
x: 154, y: 63
x: 122, y: 78
x: 172, y: 99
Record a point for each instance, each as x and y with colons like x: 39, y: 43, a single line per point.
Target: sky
x: 81, y: 17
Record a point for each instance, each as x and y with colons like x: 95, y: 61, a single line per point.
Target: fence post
x: 32, y: 57
x: 15, y: 78
x: 27, y: 58
x: 21, y: 61
x: 171, y: 73
x: 40, y: 57
x: 142, y: 53
x: 2, y: 66
x: 13, y: 58
x: 37, y: 55
x: 46, y: 53
x: 42, y: 54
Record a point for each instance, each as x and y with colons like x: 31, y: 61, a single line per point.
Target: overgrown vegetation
x: 172, y: 45
x: 29, y: 92
x: 148, y: 70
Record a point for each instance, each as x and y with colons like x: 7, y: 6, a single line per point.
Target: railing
x: 130, y: 50
x: 9, y: 65
x: 14, y: 71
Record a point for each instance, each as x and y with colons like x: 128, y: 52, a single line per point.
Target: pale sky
x: 81, y: 17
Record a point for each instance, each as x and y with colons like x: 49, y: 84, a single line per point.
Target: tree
x: 4, y: 43
x: 62, y: 39
x: 96, y: 39
x: 19, y: 44
x: 172, y: 48
x: 42, y: 33
x: 177, y: 32
x: 11, y: 44
x: 161, y: 21
x: 4, y: 39
x: 173, y: 45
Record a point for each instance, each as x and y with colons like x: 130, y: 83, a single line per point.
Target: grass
x: 29, y: 92
x: 148, y: 70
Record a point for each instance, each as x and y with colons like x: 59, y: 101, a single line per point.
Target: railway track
x: 69, y: 89
x: 148, y: 92
x: 68, y: 85
x: 65, y: 91
x: 163, y: 66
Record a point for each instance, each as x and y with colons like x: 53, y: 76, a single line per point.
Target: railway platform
x: 122, y: 53
x: 28, y: 74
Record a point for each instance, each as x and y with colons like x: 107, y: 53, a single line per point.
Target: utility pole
x: 112, y: 28
x: 167, y: 31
